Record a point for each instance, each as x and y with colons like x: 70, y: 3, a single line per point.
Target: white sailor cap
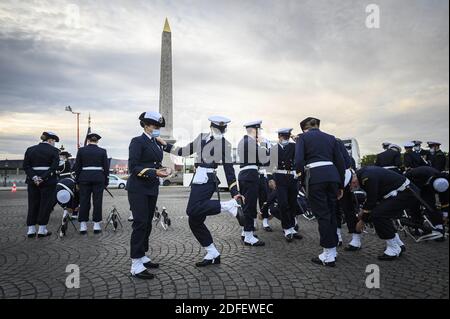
x: 50, y: 135
x: 284, y: 131
x: 408, y: 145
x: 254, y: 124
x: 153, y: 117
x: 63, y: 196
x: 431, y: 143
x: 219, y: 121
x: 395, y: 147
x: 440, y: 185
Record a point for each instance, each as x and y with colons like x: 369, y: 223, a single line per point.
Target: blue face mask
x: 156, y: 133
x: 284, y: 142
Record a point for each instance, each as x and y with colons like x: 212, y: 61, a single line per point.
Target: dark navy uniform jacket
x: 285, y: 160
x: 64, y: 169
x: 145, y: 157
x: 41, y: 155
x: 389, y: 158
x: 91, y: 156
x: 250, y: 153
x: 377, y: 182
x: 413, y: 160
x: 438, y: 160
x: 315, y: 146
x: 210, y: 153
x: 424, y: 175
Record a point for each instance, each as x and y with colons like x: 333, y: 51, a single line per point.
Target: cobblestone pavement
x: 35, y: 268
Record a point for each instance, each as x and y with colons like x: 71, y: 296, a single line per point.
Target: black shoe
x: 150, y: 265
x: 259, y: 243
x: 240, y: 217
x: 268, y: 229
x: 49, y: 233
x: 339, y: 243
x: 352, y: 248
x: 403, y: 250
x: 289, y: 238
x: 296, y: 228
x: 97, y: 231
x: 83, y: 232
x: 317, y: 260
x: 31, y: 235
x: 297, y: 236
x: 144, y: 275
x: 207, y: 262
x: 385, y: 257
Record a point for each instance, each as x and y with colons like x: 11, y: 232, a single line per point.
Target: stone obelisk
x: 165, y: 90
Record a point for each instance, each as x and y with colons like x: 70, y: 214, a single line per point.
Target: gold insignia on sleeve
x: 233, y: 185
x: 141, y: 173
x: 365, y: 180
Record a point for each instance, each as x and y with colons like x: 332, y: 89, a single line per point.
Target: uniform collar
x: 149, y: 136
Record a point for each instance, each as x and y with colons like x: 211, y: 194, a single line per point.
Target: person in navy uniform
x: 64, y: 168
x: 211, y: 149
x: 412, y: 157
x: 424, y: 154
x: 263, y: 191
x: 437, y: 156
x: 40, y: 164
x: 346, y: 205
x: 145, y: 168
x: 431, y: 182
x: 251, y: 157
x: 390, y: 158
x: 91, y: 170
x: 67, y: 196
x: 388, y: 195
x: 319, y: 162
x: 285, y: 177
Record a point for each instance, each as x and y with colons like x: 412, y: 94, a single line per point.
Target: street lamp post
x: 6, y: 172
x: 69, y: 109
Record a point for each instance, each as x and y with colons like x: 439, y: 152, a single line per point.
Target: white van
x: 352, y: 146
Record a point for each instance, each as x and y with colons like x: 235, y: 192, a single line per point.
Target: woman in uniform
x: 91, y: 170
x: 40, y: 164
x: 145, y: 168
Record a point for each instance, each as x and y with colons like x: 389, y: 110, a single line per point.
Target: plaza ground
x: 36, y: 268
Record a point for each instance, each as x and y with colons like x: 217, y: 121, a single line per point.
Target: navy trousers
x: 88, y: 190
x: 200, y: 206
x: 143, y: 209
x: 40, y: 203
x: 322, y: 199
x: 249, y: 189
x: 263, y: 191
x: 287, y: 199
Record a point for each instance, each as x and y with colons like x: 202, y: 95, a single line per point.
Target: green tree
x: 368, y: 160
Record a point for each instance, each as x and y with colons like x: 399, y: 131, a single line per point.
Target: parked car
x: 116, y: 182
x: 175, y: 179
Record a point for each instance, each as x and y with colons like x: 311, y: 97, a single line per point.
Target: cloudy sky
x: 279, y: 60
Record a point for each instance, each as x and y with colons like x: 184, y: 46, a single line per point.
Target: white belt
x: 348, y: 176
x: 249, y: 167
x: 394, y: 193
x: 201, y: 175
x: 41, y: 168
x: 65, y: 174
x: 390, y: 167
x: 286, y: 172
x: 92, y: 168
x: 318, y: 164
